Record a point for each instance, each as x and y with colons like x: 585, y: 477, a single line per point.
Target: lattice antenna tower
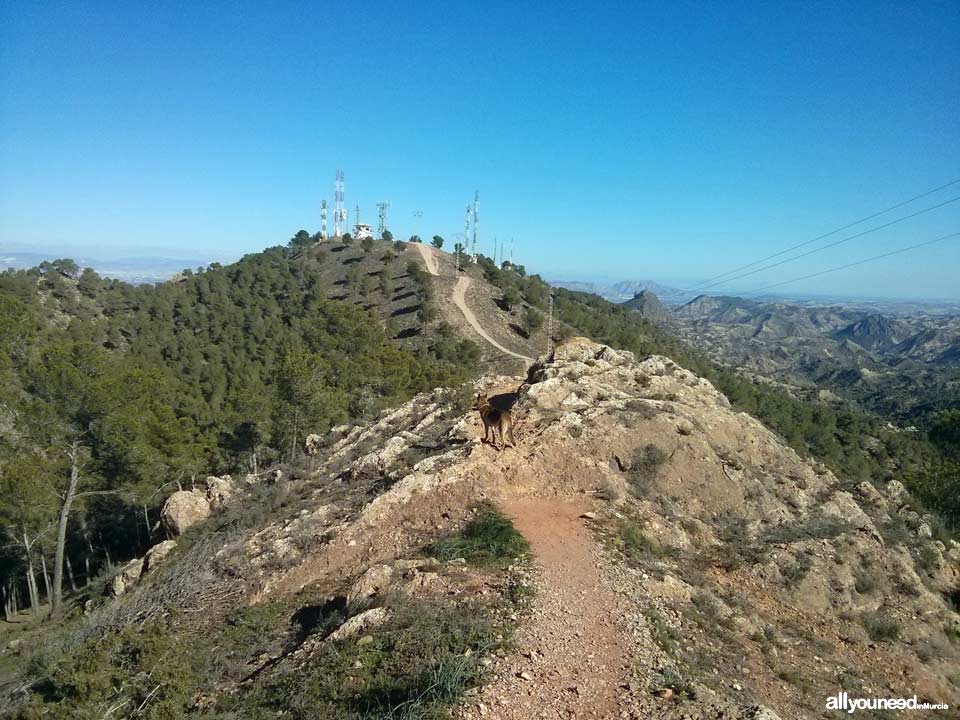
x: 356, y: 226
x: 476, y: 221
x: 382, y: 208
x: 323, y: 220
x: 339, y: 211
x: 550, y: 324
x: 466, y: 228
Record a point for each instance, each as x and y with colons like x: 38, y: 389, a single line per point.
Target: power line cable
x: 854, y: 264
x: 829, y: 234
x: 828, y: 245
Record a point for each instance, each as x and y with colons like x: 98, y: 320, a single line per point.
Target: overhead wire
x: 709, y: 281
x: 854, y: 264
x: 828, y: 245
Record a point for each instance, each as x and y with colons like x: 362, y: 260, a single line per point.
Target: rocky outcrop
x: 125, y: 579
x: 157, y: 554
x: 220, y: 491
x: 183, y: 510
x: 363, y: 622
x: 313, y: 444
x: 649, y: 306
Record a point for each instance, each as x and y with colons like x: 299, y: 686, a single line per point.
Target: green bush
x: 488, y: 539
x: 880, y: 627
x: 414, y: 667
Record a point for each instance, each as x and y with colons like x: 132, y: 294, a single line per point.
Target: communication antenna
x: 357, y: 225
x: 466, y: 228
x: 550, y: 324
x: 511, y: 252
x: 339, y: 212
x: 476, y: 221
x: 323, y: 220
x: 382, y: 207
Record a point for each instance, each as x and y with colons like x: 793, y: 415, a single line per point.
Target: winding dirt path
x: 460, y: 300
x: 570, y: 660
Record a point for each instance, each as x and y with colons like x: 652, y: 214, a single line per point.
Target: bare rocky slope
x: 687, y: 563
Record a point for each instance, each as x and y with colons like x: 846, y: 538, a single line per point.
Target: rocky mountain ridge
x: 745, y: 581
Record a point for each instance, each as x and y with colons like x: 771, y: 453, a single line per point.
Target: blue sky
x: 667, y: 141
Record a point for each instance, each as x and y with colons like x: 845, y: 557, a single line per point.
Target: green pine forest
x: 114, y: 394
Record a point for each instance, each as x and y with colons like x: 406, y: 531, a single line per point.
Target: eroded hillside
x: 683, y: 562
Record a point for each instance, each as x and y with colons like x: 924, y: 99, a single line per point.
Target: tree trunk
x: 45, y: 573
x: 70, y: 577
x: 89, y: 554
x: 73, y: 453
x: 31, y: 576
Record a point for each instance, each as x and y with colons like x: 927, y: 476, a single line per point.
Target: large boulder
x: 157, y: 554
x: 125, y: 579
x: 313, y: 444
x: 220, y: 491
x: 182, y: 510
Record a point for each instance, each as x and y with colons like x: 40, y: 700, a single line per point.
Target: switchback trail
x: 570, y: 660
x: 460, y: 300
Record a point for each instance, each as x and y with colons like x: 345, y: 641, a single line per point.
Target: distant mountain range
x: 619, y: 291
x: 134, y: 269
x: 899, y: 366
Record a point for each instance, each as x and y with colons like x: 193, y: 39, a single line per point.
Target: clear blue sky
x: 633, y: 140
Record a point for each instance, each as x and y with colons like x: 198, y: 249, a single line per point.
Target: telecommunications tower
x: 323, y: 220
x: 339, y: 212
x: 476, y: 221
x: 382, y: 207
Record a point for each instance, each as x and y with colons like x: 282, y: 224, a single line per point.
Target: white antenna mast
x: 476, y: 221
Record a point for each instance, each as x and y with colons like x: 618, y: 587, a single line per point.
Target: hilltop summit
x: 649, y: 306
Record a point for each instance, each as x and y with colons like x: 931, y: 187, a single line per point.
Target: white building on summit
x: 362, y: 231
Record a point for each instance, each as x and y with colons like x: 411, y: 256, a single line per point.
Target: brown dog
x: 497, y: 420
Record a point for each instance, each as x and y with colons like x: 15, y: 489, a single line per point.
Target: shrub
x: 880, y: 627
x: 866, y: 581
x: 489, y: 539
x: 644, y: 466
x: 415, y: 666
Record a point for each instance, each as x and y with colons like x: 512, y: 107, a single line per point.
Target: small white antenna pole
x: 550, y: 324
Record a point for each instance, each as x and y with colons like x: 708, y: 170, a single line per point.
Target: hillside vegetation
x: 125, y: 391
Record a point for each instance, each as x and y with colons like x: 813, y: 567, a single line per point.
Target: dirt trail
x: 428, y: 258
x: 570, y: 659
x: 460, y: 300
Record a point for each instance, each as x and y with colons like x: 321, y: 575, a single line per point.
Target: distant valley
x: 902, y: 365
